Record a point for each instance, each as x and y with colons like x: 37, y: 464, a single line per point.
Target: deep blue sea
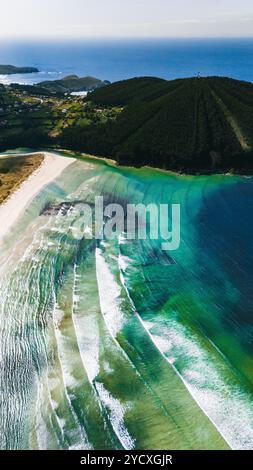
x: 121, y: 59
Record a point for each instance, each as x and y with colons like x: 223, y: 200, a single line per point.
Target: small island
x: 12, y: 70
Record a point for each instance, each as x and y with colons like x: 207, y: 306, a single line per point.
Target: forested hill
x: 195, y: 125
x: 192, y: 125
x: 72, y: 83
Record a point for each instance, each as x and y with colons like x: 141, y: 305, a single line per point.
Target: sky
x: 125, y: 18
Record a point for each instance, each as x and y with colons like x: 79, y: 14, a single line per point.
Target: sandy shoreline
x: 50, y: 169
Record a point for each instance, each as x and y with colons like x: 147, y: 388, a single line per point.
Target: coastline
x: 51, y: 167
x: 49, y: 159
x: 113, y: 163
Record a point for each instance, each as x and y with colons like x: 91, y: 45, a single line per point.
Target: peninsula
x: 73, y: 83
x: 12, y: 70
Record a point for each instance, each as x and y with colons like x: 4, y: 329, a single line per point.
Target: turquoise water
x: 118, y: 344
x: 121, y: 59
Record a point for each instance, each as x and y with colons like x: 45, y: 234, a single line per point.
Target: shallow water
x: 117, y: 344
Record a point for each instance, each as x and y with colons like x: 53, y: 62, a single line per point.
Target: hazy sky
x: 125, y: 18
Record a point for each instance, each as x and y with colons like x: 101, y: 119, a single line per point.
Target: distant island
x: 12, y: 70
x: 195, y: 125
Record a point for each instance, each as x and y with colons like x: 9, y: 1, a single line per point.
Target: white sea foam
x: 44, y: 401
x: 124, y: 262
x: 226, y: 405
x: 87, y: 333
x: 68, y: 380
x: 5, y: 79
x: 164, y: 344
x: 107, y: 368
x: 117, y: 413
x: 109, y: 294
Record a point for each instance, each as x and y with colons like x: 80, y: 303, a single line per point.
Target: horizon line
x: 121, y: 38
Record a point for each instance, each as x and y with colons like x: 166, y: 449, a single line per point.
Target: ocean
x: 121, y: 59
x: 117, y: 344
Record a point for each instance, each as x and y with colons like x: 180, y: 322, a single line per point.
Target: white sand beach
x: 52, y: 166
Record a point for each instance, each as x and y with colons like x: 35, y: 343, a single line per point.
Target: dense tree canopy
x: 198, y: 124
x: 191, y: 125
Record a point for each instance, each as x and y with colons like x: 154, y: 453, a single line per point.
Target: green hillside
x: 192, y: 125
x: 195, y: 125
x: 124, y: 92
x: 72, y: 83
